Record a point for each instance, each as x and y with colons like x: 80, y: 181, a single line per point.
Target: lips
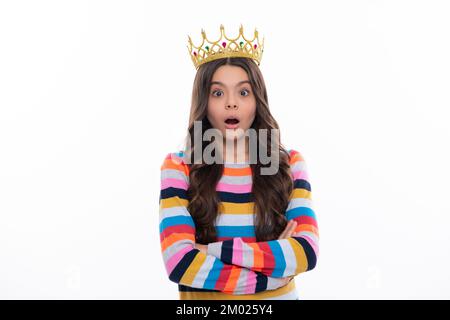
x: 232, y: 121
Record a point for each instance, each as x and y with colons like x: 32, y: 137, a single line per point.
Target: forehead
x: 229, y: 75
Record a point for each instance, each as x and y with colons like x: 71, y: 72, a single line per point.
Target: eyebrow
x: 220, y: 83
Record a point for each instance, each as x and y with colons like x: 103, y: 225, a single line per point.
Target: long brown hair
x: 270, y: 192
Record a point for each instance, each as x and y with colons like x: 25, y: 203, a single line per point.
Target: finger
x: 288, y: 230
x: 284, y: 233
x: 293, y: 227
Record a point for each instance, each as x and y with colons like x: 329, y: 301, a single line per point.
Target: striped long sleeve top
x: 236, y: 266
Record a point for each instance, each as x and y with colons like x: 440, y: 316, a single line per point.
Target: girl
x: 226, y: 230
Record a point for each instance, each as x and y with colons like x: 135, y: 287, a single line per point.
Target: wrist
x: 202, y: 247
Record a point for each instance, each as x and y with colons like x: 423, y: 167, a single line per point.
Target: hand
x: 286, y: 280
x: 202, y: 247
x: 289, y: 230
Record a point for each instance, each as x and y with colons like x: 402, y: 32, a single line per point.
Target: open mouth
x: 232, y: 121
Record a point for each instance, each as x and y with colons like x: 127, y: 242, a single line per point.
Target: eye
x: 213, y: 93
x: 245, y: 90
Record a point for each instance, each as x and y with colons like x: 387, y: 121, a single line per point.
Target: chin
x: 235, y: 137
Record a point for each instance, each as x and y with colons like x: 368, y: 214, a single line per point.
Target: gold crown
x: 226, y: 47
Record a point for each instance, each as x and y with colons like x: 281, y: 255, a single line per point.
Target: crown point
x: 241, y: 47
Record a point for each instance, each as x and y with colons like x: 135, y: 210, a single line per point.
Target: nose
x: 231, y: 102
x: 231, y: 106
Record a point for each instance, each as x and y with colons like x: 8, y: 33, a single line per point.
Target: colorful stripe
x: 185, y: 264
x: 279, y: 258
x: 236, y: 265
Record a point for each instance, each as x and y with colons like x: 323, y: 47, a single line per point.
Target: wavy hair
x: 270, y: 192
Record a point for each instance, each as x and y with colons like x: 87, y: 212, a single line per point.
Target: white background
x: 94, y: 94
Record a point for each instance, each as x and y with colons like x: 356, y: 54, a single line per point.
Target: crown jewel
x: 226, y: 47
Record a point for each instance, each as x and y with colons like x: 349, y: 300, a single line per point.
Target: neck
x: 233, y: 153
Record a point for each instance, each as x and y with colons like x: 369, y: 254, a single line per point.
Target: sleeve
x: 284, y: 257
x: 184, y: 263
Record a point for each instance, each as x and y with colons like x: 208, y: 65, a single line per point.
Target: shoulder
x: 297, y: 165
x: 295, y: 156
x: 175, y: 161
